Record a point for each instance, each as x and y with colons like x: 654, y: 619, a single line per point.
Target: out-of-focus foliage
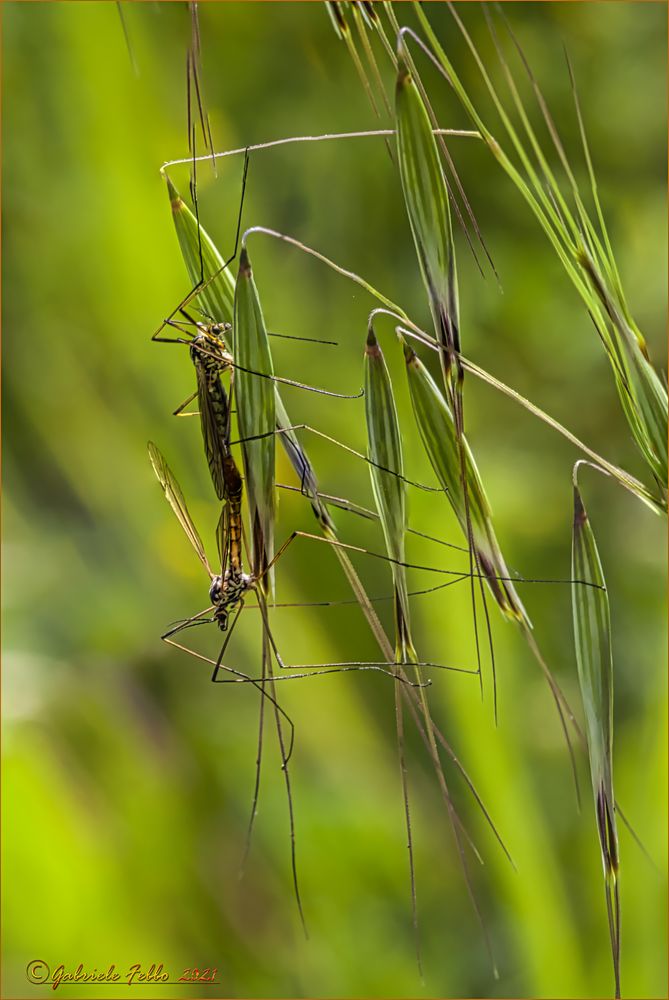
x: 127, y: 775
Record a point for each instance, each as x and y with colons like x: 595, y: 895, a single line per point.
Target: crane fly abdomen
x: 209, y: 359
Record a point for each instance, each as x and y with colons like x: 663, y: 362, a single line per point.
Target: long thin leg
x: 182, y: 406
x: 187, y: 622
x: 256, y: 785
x: 399, y: 725
x: 342, y: 666
x: 321, y: 669
x: 205, y: 282
x: 377, y: 555
x: 355, y: 508
x: 347, y: 665
x: 231, y: 363
x: 372, y: 600
x: 344, y: 447
x: 268, y: 646
x: 242, y: 677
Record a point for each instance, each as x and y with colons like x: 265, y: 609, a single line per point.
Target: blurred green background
x: 127, y: 775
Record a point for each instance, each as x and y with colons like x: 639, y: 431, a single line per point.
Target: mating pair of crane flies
x: 211, y: 358
x: 230, y: 587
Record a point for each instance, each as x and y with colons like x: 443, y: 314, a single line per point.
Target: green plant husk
x: 436, y: 425
x: 384, y: 448
x: 426, y: 200
x: 256, y: 413
x: 594, y: 658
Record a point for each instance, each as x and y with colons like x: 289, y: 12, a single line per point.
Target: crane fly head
x: 208, y: 346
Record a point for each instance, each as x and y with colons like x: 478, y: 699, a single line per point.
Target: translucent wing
x: 176, y: 501
x: 223, y: 537
x: 215, y: 422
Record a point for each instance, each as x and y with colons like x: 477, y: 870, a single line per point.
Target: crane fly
x: 227, y: 591
x: 229, y: 587
x: 211, y: 358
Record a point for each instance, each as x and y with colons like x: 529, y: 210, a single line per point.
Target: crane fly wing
x: 223, y: 537
x: 176, y: 500
x: 214, y: 441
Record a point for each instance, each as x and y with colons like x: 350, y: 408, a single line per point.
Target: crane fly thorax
x: 208, y: 350
x: 226, y: 592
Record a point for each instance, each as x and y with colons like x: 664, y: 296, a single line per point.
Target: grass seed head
x: 642, y: 392
x: 384, y: 447
x: 438, y: 433
x: 217, y: 299
x: 592, y: 636
x: 426, y: 200
x: 336, y: 11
